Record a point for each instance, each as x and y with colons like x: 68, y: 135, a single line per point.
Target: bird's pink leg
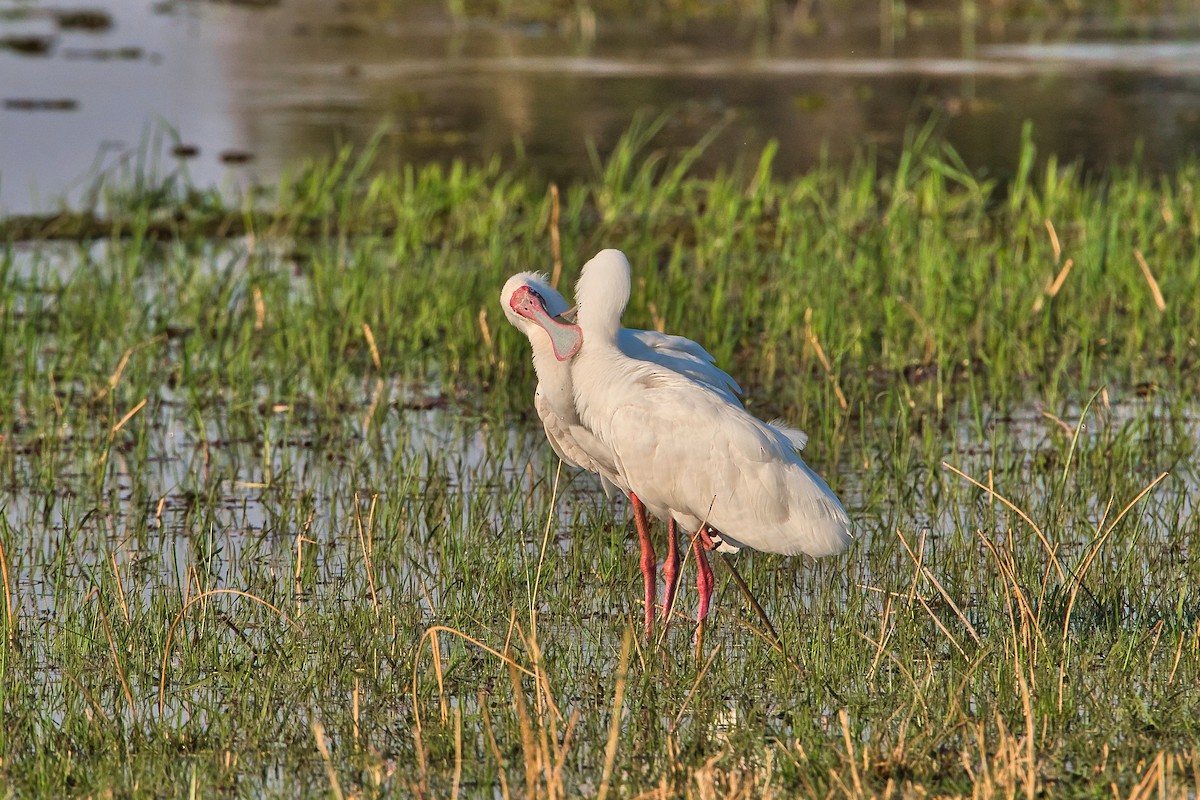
x: 670, y: 569
x: 649, y: 562
x: 701, y: 543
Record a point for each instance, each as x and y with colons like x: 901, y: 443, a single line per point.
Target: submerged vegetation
x: 277, y: 518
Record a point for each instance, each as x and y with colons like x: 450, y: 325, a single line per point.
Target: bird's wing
x: 795, y: 436
x: 603, y: 459
x: 557, y: 432
x: 691, y: 451
x: 680, y: 345
x: 688, y: 358
x: 679, y: 354
x: 577, y: 446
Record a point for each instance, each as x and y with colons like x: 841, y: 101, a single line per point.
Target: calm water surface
x: 250, y: 91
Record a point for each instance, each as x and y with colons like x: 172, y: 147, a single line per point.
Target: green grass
x: 279, y: 539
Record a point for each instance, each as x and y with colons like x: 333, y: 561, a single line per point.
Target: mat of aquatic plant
x: 278, y: 519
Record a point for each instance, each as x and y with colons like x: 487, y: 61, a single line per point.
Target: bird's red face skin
x: 566, y: 339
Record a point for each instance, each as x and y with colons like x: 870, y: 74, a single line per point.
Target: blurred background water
x: 234, y: 93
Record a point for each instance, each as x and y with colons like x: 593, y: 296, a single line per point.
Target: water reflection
x: 250, y: 90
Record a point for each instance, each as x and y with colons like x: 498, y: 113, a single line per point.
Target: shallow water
x: 250, y: 90
x: 231, y: 504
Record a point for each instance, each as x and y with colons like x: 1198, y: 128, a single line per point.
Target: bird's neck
x: 599, y: 317
x: 598, y: 376
x: 600, y: 332
x: 554, y: 382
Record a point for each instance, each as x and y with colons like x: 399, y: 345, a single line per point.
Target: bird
x: 683, y: 449
x: 535, y: 308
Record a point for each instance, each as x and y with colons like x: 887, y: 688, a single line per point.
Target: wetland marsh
x: 278, y: 518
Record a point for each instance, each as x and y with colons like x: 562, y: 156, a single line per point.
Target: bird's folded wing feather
x: 680, y: 354
x: 697, y: 455
x: 576, y: 446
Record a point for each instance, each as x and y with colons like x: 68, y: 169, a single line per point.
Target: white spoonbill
x: 530, y: 304
x: 684, y: 450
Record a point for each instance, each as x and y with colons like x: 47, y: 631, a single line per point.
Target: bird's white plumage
x: 554, y: 398
x: 684, y: 448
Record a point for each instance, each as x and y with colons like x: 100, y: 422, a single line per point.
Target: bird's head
x: 601, y: 294
x: 528, y: 302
